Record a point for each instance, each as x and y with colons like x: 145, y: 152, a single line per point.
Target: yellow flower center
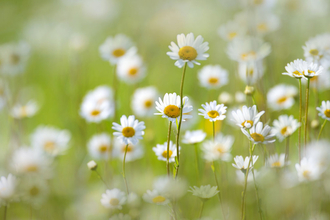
x: 245, y: 56
x: 103, y: 148
x: 213, y: 114
x: 24, y: 111
x: 257, y: 137
x: 14, y: 59
x: 114, y: 202
x: 148, y: 103
x: 282, y: 99
x: 306, y: 174
x: 172, y: 111
x: 128, y: 132
x: 133, y: 71
x: 95, y: 112
x: 158, y: 199
x: 276, y: 164
x: 232, y: 35
x: 164, y: 154
x: 34, y: 191
x: 187, y: 53
x: 284, y: 130
x: 297, y: 73
x: 129, y: 148
x: 327, y: 113
x: 314, y: 52
x: 248, y: 121
x: 262, y: 27
x: 220, y: 149
x: 118, y: 52
x: 314, y: 79
x: 213, y: 80
x: 31, y: 168
x: 49, y: 146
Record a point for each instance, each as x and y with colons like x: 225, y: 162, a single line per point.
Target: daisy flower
x: 8, y: 189
x: 94, y: 111
x: 275, y: 161
x: 34, y: 191
x: 170, y: 107
x: 250, y: 72
x: 285, y: 126
x: 259, y: 134
x: 219, y: 148
x: 317, y: 50
x: 134, y: 151
x: 296, y: 68
x: 193, y: 137
x: 113, y: 199
x: 188, y: 50
x: 321, y: 82
x: 28, y: 110
x: 308, y: 170
x: 247, y: 117
x: 231, y: 30
x: 324, y: 110
x: 129, y: 130
x: 143, y: 101
x: 155, y: 197
x: 161, y: 151
x: 121, y: 216
x: 213, y: 111
x: 204, y: 192
x: 51, y: 140
x: 242, y: 164
x: 312, y: 70
x: 213, y: 76
x: 99, y: 146
x: 131, y: 69
x: 281, y: 97
x: 100, y: 94
x: 114, y: 48
x: 265, y: 22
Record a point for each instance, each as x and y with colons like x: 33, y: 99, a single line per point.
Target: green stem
x: 306, y: 112
x: 318, y: 137
x: 124, y: 162
x: 200, y: 213
x: 115, y: 88
x: 168, y: 149
x: 300, y: 116
x: 180, y: 120
x: 257, y: 194
x: 287, y: 149
x: 99, y: 175
x: 197, y: 163
x: 5, y: 213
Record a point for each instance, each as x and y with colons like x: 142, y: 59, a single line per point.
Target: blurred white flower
x: 78, y: 42
x: 35, y: 191
x: 92, y: 165
x: 308, y: 170
x: 129, y: 130
x: 172, y: 188
x: 324, y: 110
x: 134, y: 151
x: 161, y: 151
x: 275, y: 161
x: 105, y: 10
x: 321, y: 82
x: 317, y: 49
x: 143, y: 101
x: 231, y: 30
x: 133, y: 200
x: 259, y: 134
x: 319, y: 152
x: 250, y: 72
x: 242, y: 164
x: 155, y: 197
x: 193, y: 137
x: 100, y: 95
x: 93, y: 111
x: 8, y: 189
x: 213, y: 76
x: 27, y: 110
x: 204, y: 192
x: 281, y: 97
x: 99, y: 146
x: 312, y: 70
x: 296, y: 68
x: 213, y: 111
x: 247, y: 117
x: 131, y: 69
x: 113, y: 199
x: 219, y: 148
x: 285, y: 126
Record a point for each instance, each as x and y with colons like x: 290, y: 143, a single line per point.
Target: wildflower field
x: 182, y: 110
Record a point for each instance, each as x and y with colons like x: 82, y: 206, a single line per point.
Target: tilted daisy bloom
x: 231, y: 30
x: 134, y: 151
x: 161, y: 151
x: 113, y: 199
x: 204, y: 192
x: 213, y: 76
x: 143, y: 101
x: 8, y: 189
x: 296, y: 68
x: 193, y: 137
x: 129, y: 130
x: 188, y: 50
x: 308, y: 170
x: 99, y: 146
x: 281, y: 97
x: 247, y: 117
x: 259, y: 134
x: 170, y: 107
x: 312, y: 70
x: 51, y: 140
x: 155, y: 197
x: 27, y: 110
x: 219, y: 148
x: 213, y: 111
x: 131, y: 69
x: 275, y: 161
x: 242, y: 164
x: 317, y: 50
x: 94, y: 111
x: 115, y: 48
x: 285, y: 126
x: 324, y: 110
x: 121, y: 216
x: 34, y: 191
x: 100, y: 94
x: 14, y: 57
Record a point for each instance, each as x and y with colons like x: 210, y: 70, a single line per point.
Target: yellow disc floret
x: 257, y: 137
x: 172, y: 111
x: 118, y: 52
x: 187, y: 53
x: 213, y: 114
x: 128, y: 132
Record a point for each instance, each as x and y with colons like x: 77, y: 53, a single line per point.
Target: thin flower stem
x: 168, y: 149
x: 115, y: 88
x: 180, y: 120
x: 257, y: 194
x: 5, y: 213
x: 300, y: 116
x: 245, y: 183
x: 197, y: 163
x: 213, y: 124
x: 124, y: 162
x: 318, y: 137
x: 99, y: 175
x: 201, y: 211
x: 306, y: 112
x: 287, y: 144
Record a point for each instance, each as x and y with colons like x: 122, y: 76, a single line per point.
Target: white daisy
x: 121, y: 216
x: 134, y: 151
x: 170, y: 107
x: 219, y: 148
x: 324, y: 110
x: 129, y: 130
x: 296, y: 68
x: 155, y: 197
x: 231, y: 30
x: 193, y: 137
x: 285, y: 126
x: 99, y: 146
x: 242, y: 164
x: 161, y: 151
x: 213, y: 111
x: 247, y: 117
x: 51, y: 140
x: 131, y: 69
x: 204, y: 192
x: 213, y: 76
x: 113, y: 199
x: 27, y: 110
x: 312, y: 70
x: 188, y: 50
x: 251, y: 71
x: 321, y: 82
x: 34, y: 191
x: 115, y: 48
x: 8, y: 189
x: 281, y: 97
x: 143, y: 101
x: 265, y: 22
x: 317, y: 49
x: 259, y: 134
x: 100, y: 94
x: 308, y: 170
x: 93, y: 111
x: 275, y: 161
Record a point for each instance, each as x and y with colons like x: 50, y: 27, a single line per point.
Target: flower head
x: 281, y: 97
x: 213, y: 77
x: 131, y: 69
x: 213, y: 111
x: 8, y: 189
x: 193, y: 137
x: 324, y: 110
x: 161, y: 151
x: 285, y: 126
x: 134, y: 151
x: 155, y: 197
x: 308, y: 170
x: 242, y: 164
x: 247, y: 117
x: 130, y: 130
x: 219, y: 148
x: 143, y: 101
x: 99, y: 146
x: 296, y: 68
x: 204, y: 192
x: 113, y: 199
x: 27, y: 110
x: 275, y: 161
x: 259, y: 134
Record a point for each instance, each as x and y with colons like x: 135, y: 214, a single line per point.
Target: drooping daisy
x: 113, y: 199
x: 143, y: 101
x: 35, y: 191
x: 121, y: 216
x: 259, y: 134
x: 170, y: 107
x: 129, y: 130
x: 27, y: 110
x: 242, y: 164
x: 8, y: 189
x: 115, y: 48
x: 213, y: 111
x: 324, y: 110
x: 213, y: 76
x: 281, y: 97
x: 295, y: 69
x: 219, y: 148
x: 188, y: 50
x: 285, y: 126
x: 193, y: 137
x: 134, y: 151
x: 247, y: 117
x: 155, y: 197
x: 275, y: 161
x: 161, y: 151
x: 99, y: 146
x: 51, y: 140
x: 94, y: 111
x: 204, y: 192
x: 131, y: 69
x: 308, y: 170
x: 231, y: 30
